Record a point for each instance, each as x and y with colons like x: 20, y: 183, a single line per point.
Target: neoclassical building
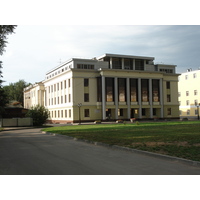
x: 110, y: 87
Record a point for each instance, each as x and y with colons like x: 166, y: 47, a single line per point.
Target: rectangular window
x: 69, y: 98
x: 139, y: 64
x: 58, y: 86
x: 134, y: 90
x: 169, y: 111
x: 128, y: 64
x: 70, y: 114
x: 122, y: 89
x: 188, y: 112
x: 55, y: 113
x: 196, y: 102
x: 145, y: 90
x: 179, y: 94
x: 54, y: 87
x: 61, y: 99
x: 154, y: 111
x: 52, y: 114
x: 55, y: 101
x: 65, y: 84
x: 194, y: 75
x: 187, y: 102
x: 116, y: 63
x: 186, y: 77
x: 65, y: 98
x: 196, y: 112
x: 86, y: 82
x: 69, y: 85
x: 195, y: 92
x: 120, y: 112
x: 61, y: 85
x: 168, y: 84
x: 58, y: 100
x: 66, y: 113
x: 86, y: 112
x: 109, y: 89
x: 62, y: 113
x: 58, y: 113
x: 156, y: 90
x: 187, y: 93
x: 86, y: 97
x: 143, y: 111
x: 168, y: 98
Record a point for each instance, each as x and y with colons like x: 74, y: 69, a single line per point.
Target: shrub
x: 39, y: 114
x: 137, y: 123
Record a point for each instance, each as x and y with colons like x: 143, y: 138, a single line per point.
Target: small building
x: 109, y: 87
x: 14, y: 109
x: 189, y: 94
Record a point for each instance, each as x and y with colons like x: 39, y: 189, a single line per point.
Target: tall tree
x: 5, y: 30
x: 14, y: 91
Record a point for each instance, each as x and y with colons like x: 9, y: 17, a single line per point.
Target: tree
x: 39, y: 114
x: 4, y: 31
x: 14, y: 91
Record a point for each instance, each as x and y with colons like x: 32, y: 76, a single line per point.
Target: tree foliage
x: 5, y: 30
x: 14, y: 91
x: 39, y: 114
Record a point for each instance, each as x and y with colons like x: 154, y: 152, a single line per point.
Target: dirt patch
x: 150, y: 144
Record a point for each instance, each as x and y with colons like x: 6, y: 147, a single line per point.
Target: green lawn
x: 180, y: 139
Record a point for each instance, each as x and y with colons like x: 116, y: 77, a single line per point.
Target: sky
x: 35, y: 49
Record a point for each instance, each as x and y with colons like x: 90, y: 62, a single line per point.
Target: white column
x: 128, y: 98
x: 150, y: 98
x: 116, y: 97
x: 139, y: 98
x: 122, y: 63
x: 103, y: 98
x: 133, y: 64
x: 161, y: 99
x: 111, y: 63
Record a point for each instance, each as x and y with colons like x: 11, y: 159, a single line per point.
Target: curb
x: 162, y: 156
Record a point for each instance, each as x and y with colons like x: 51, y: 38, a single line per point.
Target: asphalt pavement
x: 31, y: 152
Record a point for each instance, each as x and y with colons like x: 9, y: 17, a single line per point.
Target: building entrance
x: 108, y: 114
x: 132, y: 112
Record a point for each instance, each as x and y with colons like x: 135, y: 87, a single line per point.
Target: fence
x: 16, y: 122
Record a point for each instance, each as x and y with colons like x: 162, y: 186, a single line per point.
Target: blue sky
x: 33, y: 50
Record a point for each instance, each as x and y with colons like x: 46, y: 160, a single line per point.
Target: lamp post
x: 79, y: 111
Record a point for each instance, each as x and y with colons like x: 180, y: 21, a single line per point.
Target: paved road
x: 30, y: 152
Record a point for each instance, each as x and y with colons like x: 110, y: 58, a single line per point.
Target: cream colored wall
x: 190, y: 85
x: 78, y: 95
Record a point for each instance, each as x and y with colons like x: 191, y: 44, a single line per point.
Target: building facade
x: 189, y: 94
x: 110, y: 87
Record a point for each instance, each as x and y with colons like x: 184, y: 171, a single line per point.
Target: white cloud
x: 33, y: 50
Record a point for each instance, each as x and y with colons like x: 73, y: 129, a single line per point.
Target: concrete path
x: 30, y: 152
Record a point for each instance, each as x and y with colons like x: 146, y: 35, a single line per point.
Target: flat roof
x: 125, y: 56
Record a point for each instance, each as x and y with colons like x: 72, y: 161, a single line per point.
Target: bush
x: 39, y: 114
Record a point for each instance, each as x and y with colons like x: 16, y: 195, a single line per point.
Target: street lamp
x: 79, y: 111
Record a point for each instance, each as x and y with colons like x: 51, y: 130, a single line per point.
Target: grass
x: 180, y: 139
